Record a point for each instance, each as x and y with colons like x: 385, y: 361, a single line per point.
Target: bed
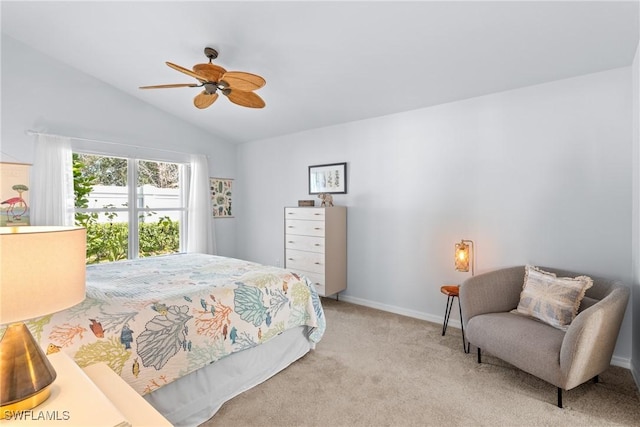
x: 188, y: 331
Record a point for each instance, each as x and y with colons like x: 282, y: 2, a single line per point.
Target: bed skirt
x: 195, y: 398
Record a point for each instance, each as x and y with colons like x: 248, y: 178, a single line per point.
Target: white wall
x: 41, y: 93
x: 538, y: 175
x: 635, y: 294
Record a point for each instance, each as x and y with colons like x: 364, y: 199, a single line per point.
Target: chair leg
x: 447, y: 313
x: 559, y: 398
x: 464, y: 341
x: 479, y: 357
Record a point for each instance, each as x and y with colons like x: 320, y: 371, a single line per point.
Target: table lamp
x: 42, y: 271
x: 464, y: 256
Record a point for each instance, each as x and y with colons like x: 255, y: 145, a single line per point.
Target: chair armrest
x: 493, y: 292
x: 589, y: 342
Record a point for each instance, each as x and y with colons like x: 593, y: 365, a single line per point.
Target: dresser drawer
x: 305, y: 261
x: 304, y: 243
x: 304, y: 227
x: 304, y: 213
x: 315, y: 278
x: 319, y: 289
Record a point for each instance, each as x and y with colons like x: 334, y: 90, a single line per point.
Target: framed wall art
x: 221, y: 197
x: 329, y: 178
x: 14, y: 194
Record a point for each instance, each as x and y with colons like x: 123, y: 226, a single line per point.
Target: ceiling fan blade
x: 204, y: 99
x: 170, y: 86
x: 246, y: 99
x: 243, y: 81
x: 187, y: 72
x: 210, y: 71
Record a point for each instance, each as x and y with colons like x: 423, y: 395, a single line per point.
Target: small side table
x: 452, y: 292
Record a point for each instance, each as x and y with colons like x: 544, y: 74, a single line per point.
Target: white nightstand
x: 136, y: 410
x: 89, y: 398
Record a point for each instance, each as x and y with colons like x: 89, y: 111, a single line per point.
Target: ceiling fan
x: 238, y: 86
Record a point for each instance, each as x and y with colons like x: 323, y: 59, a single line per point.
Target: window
x: 129, y: 221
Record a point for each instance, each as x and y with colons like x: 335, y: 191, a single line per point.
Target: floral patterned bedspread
x: 154, y: 320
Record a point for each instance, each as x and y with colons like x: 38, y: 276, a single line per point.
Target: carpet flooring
x: 374, y: 368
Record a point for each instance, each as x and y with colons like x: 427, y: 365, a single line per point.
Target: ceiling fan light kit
x: 237, y: 86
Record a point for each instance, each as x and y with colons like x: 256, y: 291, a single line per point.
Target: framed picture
x: 221, y: 195
x: 330, y: 178
x: 14, y: 194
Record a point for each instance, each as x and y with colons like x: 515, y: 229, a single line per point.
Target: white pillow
x: 553, y: 300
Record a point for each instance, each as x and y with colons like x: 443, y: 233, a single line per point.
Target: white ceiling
x: 328, y: 62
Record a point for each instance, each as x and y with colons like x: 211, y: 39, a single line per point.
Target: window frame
x: 133, y: 210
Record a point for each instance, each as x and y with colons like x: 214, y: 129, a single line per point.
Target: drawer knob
x: 317, y: 228
x: 317, y: 244
x: 290, y: 241
x: 289, y: 259
x: 317, y: 263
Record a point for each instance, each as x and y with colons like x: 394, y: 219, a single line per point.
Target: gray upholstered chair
x: 565, y: 359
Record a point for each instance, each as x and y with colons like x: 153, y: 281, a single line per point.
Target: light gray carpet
x: 374, y: 368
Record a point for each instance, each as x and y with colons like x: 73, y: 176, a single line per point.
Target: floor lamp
x: 463, y: 260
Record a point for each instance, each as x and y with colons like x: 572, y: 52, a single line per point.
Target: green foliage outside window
x: 157, y: 238
x: 82, y: 186
x: 109, y: 241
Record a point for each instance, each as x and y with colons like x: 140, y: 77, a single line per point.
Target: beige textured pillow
x: 553, y: 300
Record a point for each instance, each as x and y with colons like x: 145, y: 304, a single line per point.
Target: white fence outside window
x: 148, y: 196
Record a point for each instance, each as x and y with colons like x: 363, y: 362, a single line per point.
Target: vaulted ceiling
x: 328, y: 62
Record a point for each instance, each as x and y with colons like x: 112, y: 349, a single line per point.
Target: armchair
x: 565, y: 359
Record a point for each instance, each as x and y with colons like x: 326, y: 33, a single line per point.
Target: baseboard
x: 401, y: 311
x: 622, y: 362
x: 636, y: 374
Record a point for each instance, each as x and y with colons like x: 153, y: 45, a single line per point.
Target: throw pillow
x: 553, y: 300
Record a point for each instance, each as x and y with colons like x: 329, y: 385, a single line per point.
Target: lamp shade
x: 42, y: 270
x: 464, y: 256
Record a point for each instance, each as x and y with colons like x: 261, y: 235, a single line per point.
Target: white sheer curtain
x: 200, y: 232
x: 52, y: 198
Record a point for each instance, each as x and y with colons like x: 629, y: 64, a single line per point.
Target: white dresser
x: 316, y: 246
